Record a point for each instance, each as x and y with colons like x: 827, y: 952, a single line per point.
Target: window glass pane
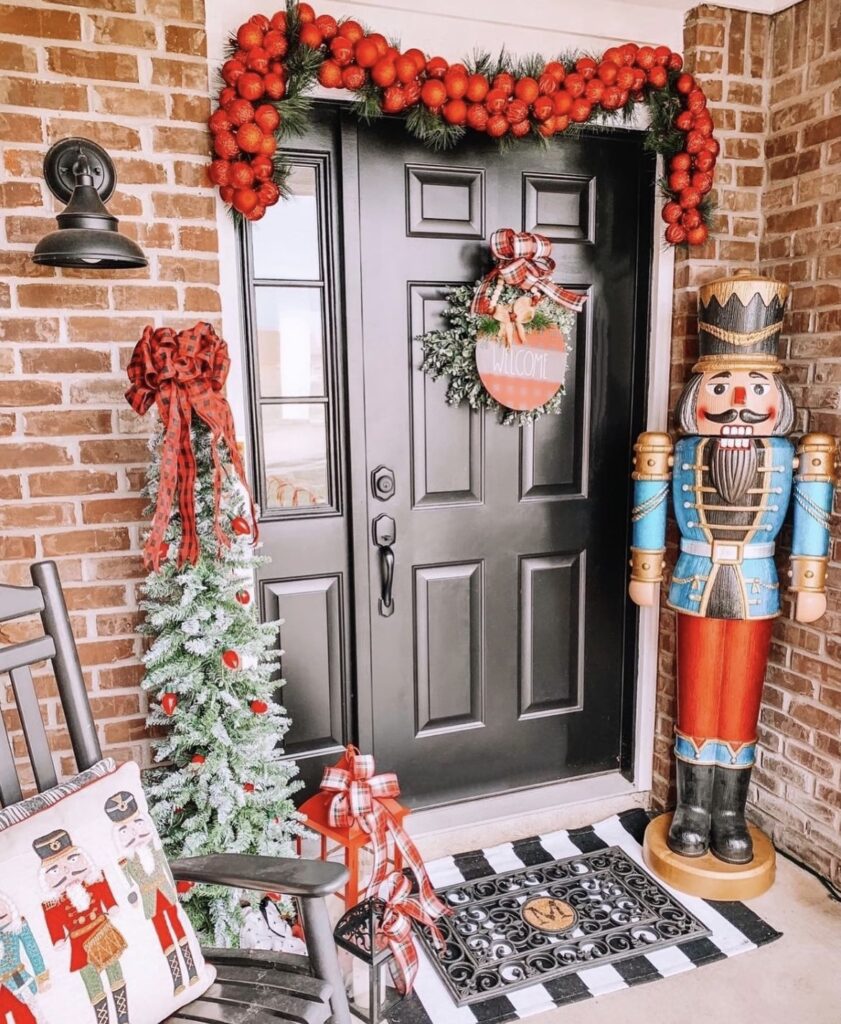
x: 285, y: 241
x: 295, y: 454
x: 289, y: 343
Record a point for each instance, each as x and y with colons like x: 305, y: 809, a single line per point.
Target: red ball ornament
x: 245, y: 199
x: 328, y: 25
x: 516, y: 112
x: 230, y: 659
x: 704, y: 161
x: 251, y: 86
x: 608, y: 72
x: 342, y: 50
x: 691, y: 218
x: 353, y: 77
x: 575, y: 85
x: 219, y: 121
x: 226, y: 193
x: 241, y: 174
x: 672, y: 213
x: 275, y: 44
x: 546, y: 84
x: 586, y: 67
x: 240, y: 526
x: 580, y: 111
x: 433, y: 93
x: 255, y: 214
x: 436, y: 67
x: 275, y: 86
x: 310, y: 35
x: 685, y: 84
x: 232, y: 70
x: 248, y: 787
x: 675, y: 234
x: 183, y: 887
x: 384, y: 73
x: 646, y: 58
x: 561, y: 103
x: 497, y: 125
x: 678, y: 181
x: 521, y: 128
x: 697, y: 235
x: 456, y: 82
x: 527, y: 90
x: 366, y: 53
x: 244, y: 596
x: 406, y: 68
x: 394, y: 100
x: 330, y: 75
x: 305, y: 14
x: 266, y: 118
x: 259, y: 707
x: 680, y: 162
x: 455, y: 112
x: 268, y: 193
x: 689, y: 197
x: 249, y: 35
x: 556, y: 70
x: 225, y: 146
x: 662, y: 54
x: 249, y: 138
x: 351, y: 30
x: 169, y: 702
x: 504, y: 81
x: 658, y: 77
x: 542, y: 107
x: 258, y: 60
x: 477, y: 117
x: 684, y: 121
x: 198, y: 759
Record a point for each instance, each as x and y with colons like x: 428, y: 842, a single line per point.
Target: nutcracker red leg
x: 748, y: 644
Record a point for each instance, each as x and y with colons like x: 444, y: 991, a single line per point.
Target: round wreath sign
x: 273, y: 64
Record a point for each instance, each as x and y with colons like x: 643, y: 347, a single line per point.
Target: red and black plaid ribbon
x: 401, y: 908
x: 524, y: 261
x: 356, y: 800
x: 183, y: 373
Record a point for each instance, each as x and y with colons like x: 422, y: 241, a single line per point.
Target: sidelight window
x: 290, y: 335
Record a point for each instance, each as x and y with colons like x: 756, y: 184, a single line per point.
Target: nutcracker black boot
x: 121, y: 1003
x: 689, y: 834
x: 175, y: 970
x: 730, y: 839
x: 189, y: 962
x: 100, y: 1008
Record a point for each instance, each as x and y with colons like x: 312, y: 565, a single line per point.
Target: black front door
x: 507, y: 660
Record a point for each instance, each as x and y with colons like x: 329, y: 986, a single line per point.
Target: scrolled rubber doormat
x: 552, y: 919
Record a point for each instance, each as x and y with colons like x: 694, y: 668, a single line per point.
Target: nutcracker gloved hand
x: 733, y: 473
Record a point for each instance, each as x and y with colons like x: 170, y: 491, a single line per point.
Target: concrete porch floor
x: 791, y: 981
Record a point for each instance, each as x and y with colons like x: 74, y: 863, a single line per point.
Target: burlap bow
x: 401, y: 908
x: 523, y: 261
x: 512, y: 320
x: 184, y: 373
x: 356, y: 800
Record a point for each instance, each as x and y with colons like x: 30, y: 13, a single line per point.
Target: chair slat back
x: 58, y: 645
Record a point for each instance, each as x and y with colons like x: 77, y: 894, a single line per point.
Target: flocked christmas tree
x: 211, y: 677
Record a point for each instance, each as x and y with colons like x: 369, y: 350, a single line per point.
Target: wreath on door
x: 274, y: 63
x: 507, y: 340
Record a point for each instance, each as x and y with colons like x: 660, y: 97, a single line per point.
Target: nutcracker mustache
x: 745, y: 415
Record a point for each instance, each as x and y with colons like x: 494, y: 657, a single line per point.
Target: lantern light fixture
x: 81, y: 174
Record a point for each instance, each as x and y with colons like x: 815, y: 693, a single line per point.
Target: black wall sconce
x: 80, y: 173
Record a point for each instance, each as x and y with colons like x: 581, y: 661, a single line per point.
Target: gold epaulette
x: 653, y: 456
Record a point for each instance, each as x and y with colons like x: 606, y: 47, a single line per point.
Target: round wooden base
x: 707, y: 876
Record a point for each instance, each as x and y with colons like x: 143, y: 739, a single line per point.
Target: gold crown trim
x: 740, y: 338
x: 726, y: 361
x: 744, y: 285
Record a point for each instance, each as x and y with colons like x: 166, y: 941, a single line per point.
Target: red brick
x: 123, y: 31
x: 21, y: 128
x: 141, y: 297
x: 63, y: 296
x: 108, y: 134
x: 180, y: 74
x: 95, y: 64
x: 170, y: 139
x: 202, y: 300
x: 29, y: 92
x: 183, y: 206
x: 118, y: 449
x: 67, y: 423
x: 72, y: 482
x: 17, y: 547
x: 29, y: 392
x: 16, y: 57
x: 84, y: 542
x: 18, y: 516
x: 121, y: 568
x: 94, y: 597
x: 105, y: 328
x: 189, y: 108
x: 179, y: 268
x: 114, y: 510
x: 127, y: 102
x: 42, y: 23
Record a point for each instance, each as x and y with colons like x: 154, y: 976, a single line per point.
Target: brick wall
x: 778, y: 112
x: 133, y: 76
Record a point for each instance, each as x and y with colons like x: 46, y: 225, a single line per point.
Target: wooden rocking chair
x: 254, y: 986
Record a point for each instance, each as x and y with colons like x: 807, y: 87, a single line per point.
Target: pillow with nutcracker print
x: 90, y: 927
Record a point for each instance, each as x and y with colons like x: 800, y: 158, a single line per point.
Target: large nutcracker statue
x: 732, y: 476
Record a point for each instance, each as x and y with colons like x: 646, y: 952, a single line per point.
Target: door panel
x: 509, y: 620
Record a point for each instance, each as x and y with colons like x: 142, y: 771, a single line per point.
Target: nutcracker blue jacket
x: 746, y: 546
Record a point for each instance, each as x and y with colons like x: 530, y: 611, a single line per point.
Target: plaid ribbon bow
x: 401, y: 908
x: 182, y: 374
x: 524, y: 261
x: 357, y: 795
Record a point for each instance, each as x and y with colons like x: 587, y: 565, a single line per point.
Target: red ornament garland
x: 274, y: 61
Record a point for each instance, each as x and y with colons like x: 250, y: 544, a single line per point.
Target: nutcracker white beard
x: 9, y: 915
x: 732, y: 470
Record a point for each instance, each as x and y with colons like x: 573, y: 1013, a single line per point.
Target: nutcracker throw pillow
x: 90, y: 927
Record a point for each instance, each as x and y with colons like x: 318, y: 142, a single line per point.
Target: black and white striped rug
x: 733, y: 929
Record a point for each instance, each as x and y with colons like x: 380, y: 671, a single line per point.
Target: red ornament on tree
x: 248, y: 787
x: 182, y: 888
x: 198, y: 759
x: 243, y: 596
x: 169, y: 702
x: 240, y: 526
x: 259, y: 707
x: 230, y: 659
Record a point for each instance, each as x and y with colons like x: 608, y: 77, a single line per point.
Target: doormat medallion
x: 552, y: 919
x: 560, y: 917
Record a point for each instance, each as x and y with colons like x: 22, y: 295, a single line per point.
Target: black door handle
x: 385, y: 534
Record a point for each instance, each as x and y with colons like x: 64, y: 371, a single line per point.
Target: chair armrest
x: 305, y: 878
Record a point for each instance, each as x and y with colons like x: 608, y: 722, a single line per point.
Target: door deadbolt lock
x: 382, y: 483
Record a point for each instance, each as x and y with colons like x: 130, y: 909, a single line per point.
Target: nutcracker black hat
x: 121, y: 806
x: 739, y: 323
x: 53, y: 844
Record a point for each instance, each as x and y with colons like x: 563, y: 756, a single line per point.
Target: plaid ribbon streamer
x: 401, y: 908
x: 524, y: 261
x: 184, y: 373
x: 357, y: 795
